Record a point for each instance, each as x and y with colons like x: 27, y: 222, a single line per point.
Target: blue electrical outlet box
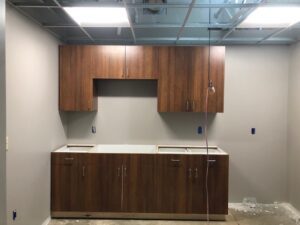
x: 253, y: 131
x: 200, y: 130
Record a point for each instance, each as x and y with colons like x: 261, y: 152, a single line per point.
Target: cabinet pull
x: 212, y: 161
x: 69, y: 159
x: 187, y: 105
x: 196, y: 173
x: 83, y: 171
x: 193, y: 107
x: 125, y: 171
x: 118, y: 171
x: 190, y: 172
x: 175, y: 160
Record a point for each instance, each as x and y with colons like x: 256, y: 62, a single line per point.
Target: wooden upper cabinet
x: 173, y: 80
x: 108, y: 62
x: 184, y: 74
x: 141, y: 62
x: 217, y: 70
x: 76, y: 91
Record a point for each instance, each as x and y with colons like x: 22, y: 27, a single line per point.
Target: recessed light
x: 272, y: 17
x: 99, y: 16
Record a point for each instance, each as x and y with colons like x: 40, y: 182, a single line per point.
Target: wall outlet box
x: 200, y: 130
x: 14, y: 215
x: 94, y: 130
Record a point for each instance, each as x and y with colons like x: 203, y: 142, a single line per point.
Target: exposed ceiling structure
x: 180, y: 22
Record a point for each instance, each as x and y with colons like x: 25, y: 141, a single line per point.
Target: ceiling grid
x: 185, y: 22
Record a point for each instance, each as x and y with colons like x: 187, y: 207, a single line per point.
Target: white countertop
x: 141, y: 149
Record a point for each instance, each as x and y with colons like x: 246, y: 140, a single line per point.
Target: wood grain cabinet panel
x: 218, y: 184
x: 196, y: 173
x: 103, y: 183
x: 172, y: 181
x: 173, y: 79
x: 217, y: 70
x: 108, y: 62
x: 76, y: 90
x: 141, y: 62
x: 140, y: 192
x: 65, y: 186
x: 184, y: 74
x: 138, y: 183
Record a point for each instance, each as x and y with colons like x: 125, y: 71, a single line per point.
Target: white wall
x: 34, y: 125
x: 294, y: 128
x: 256, y: 82
x: 2, y: 117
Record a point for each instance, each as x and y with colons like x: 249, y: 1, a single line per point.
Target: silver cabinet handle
x: 69, y: 159
x: 196, y: 173
x: 187, y: 105
x: 83, y: 171
x: 190, y: 172
x: 118, y: 171
x: 175, y: 160
x: 212, y: 160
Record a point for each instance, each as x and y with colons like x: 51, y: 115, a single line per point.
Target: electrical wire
x: 207, y: 157
x: 209, y: 86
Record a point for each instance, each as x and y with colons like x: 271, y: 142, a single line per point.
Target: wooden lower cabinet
x: 172, y: 184
x: 103, y: 183
x: 139, y: 187
x: 66, y: 192
x: 137, y: 183
x: 218, y: 184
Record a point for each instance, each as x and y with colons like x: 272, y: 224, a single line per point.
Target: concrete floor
x: 240, y: 214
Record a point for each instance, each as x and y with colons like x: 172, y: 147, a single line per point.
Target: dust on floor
x: 239, y: 214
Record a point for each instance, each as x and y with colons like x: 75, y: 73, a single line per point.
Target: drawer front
x: 64, y: 158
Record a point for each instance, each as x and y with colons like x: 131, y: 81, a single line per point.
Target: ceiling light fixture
x: 99, y: 16
x: 272, y: 17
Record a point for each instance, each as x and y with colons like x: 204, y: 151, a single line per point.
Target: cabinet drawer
x: 172, y: 160
x: 64, y: 158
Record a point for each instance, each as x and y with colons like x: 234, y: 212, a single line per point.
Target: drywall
x: 256, y: 83
x: 2, y: 117
x: 294, y: 128
x: 34, y: 125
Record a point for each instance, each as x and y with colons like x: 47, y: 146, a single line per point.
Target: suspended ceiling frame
x: 227, y: 29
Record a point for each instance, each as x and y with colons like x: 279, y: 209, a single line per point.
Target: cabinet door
x: 139, y: 176
x: 65, y: 190
x: 141, y: 62
x: 76, y: 90
x: 215, y: 100
x: 174, y: 70
x: 196, y: 185
x: 218, y: 184
x: 198, y: 78
x: 108, y: 62
x: 103, y: 183
x: 172, y: 184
